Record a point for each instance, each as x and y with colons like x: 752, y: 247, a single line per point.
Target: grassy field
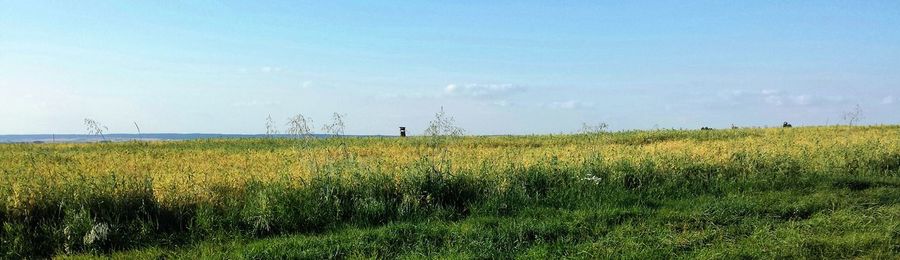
x: 820, y: 192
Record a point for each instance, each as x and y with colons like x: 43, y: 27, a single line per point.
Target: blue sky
x: 499, y: 67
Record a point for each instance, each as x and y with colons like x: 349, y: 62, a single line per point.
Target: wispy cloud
x: 569, y: 104
x: 485, y: 91
x: 502, y: 103
x: 770, y: 92
x: 801, y: 99
x: 494, y: 94
x: 269, y: 69
x: 263, y: 69
x: 403, y: 96
x: 887, y: 100
x: 777, y: 100
x: 776, y: 97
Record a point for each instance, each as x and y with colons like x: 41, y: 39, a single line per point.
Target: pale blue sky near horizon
x: 499, y: 67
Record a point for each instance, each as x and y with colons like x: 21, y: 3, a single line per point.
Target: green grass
x: 829, y: 218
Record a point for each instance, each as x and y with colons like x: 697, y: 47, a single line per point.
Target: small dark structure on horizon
x: 705, y: 128
x: 786, y: 124
x: 402, y: 131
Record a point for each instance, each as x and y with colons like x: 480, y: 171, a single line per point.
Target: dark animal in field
x: 705, y: 128
x: 786, y: 124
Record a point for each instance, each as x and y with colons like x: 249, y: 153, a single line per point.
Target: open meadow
x: 819, y: 192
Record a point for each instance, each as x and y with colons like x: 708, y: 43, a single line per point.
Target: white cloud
x: 801, y: 99
x: 268, y: 69
x: 502, y: 103
x: 403, y: 96
x: 770, y: 92
x: 774, y: 100
x: 451, y: 88
x: 488, y: 91
x: 306, y: 84
x: 776, y: 97
x: 263, y: 69
x: 570, y: 104
x: 887, y: 100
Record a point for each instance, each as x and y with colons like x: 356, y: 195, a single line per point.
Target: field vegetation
x: 820, y: 192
